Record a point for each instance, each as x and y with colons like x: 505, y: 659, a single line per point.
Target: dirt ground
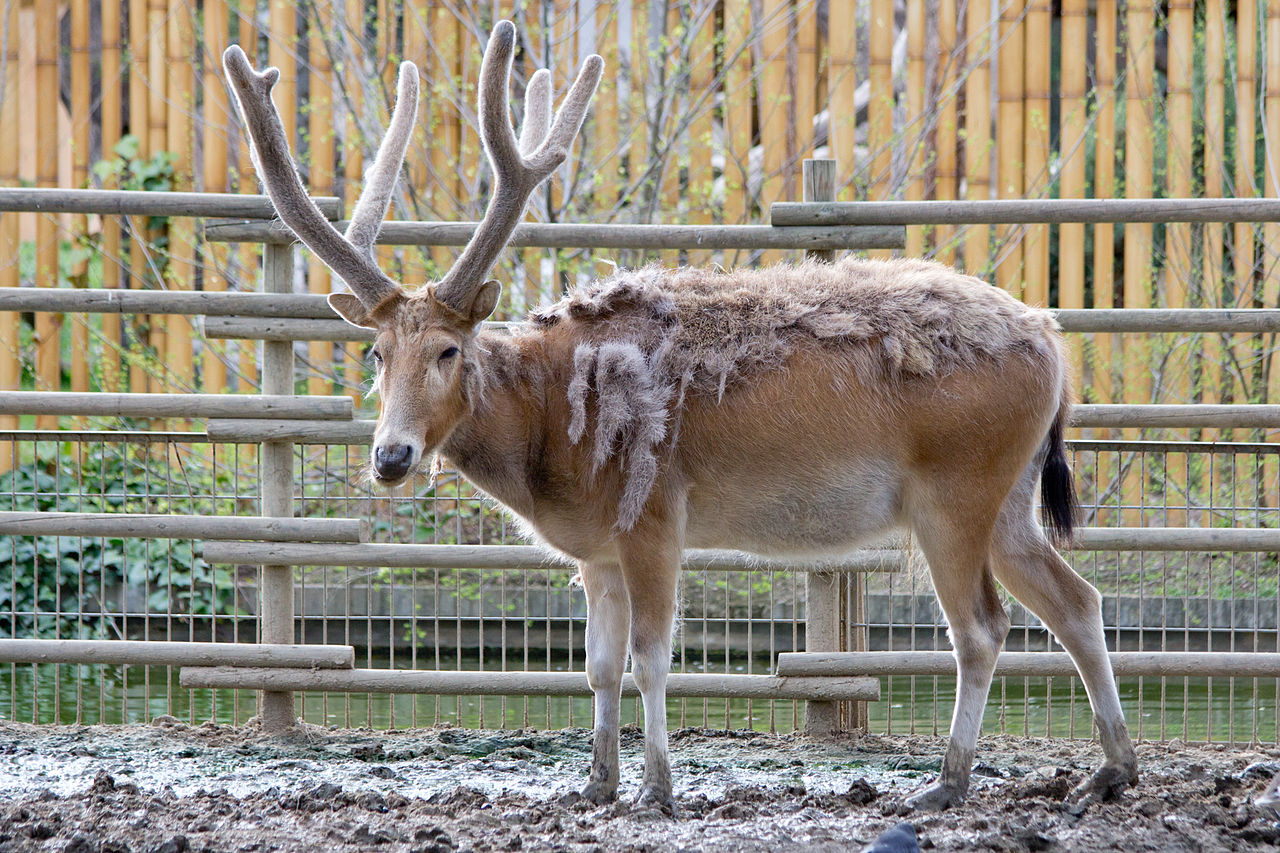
x: 169, y: 788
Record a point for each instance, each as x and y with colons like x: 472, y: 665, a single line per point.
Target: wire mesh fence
x: 502, y: 620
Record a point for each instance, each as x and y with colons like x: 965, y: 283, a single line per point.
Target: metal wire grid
x: 526, y: 621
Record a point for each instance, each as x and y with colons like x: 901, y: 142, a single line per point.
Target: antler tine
x: 380, y: 178
x: 270, y: 150
x: 537, y: 112
x: 517, y: 168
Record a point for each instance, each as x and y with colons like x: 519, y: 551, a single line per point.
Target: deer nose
x: 392, y: 461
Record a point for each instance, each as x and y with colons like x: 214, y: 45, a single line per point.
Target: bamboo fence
x: 705, y: 113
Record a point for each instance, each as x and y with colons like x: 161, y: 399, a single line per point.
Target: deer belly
x: 825, y: 516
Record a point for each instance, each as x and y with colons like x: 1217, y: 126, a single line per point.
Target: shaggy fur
x: 659, y: 335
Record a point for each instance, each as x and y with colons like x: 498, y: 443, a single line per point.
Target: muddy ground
x: 169, y: 788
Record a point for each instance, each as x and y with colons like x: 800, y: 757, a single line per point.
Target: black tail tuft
x: 1057, y: 488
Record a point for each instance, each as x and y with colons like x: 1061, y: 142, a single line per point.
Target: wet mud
x: 169, y: 788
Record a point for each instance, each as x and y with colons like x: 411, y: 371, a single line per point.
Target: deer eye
x: 449, y: 352
x: 377, y: 357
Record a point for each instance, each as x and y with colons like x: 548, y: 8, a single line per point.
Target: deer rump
x: 653, y: 340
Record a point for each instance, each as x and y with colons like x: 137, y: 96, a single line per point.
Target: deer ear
x: 486, y: 300
x: 351, y: 309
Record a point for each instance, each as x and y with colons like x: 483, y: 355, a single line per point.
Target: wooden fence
x: 706, y: 110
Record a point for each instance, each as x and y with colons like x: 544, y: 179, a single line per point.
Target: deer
x: 793, y: 411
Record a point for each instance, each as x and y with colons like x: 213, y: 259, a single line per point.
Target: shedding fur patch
x: 631, y: 417
x: 652, y: 336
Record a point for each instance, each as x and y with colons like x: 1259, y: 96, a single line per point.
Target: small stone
x: 176, y: 844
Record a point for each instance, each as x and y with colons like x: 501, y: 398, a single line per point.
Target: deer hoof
x: 1105, y: 784
x: 936, y: 797
x: 654, y: 797
x: 599, y: 793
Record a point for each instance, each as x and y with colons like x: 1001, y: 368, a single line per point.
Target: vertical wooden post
x: 275, y: 610
x: 822, y: 589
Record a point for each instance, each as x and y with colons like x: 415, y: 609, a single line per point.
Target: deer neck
x: 492, y: 445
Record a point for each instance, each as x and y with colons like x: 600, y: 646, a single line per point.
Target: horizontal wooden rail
x: 200, y: 406
x: 242, y: 309
x: 256, y: 430
x: 535, y: 235
x: 1023, y: 211
x: 1176, y: 416
x: 148, y: 526
x: 513, y: 557
x: 1155, y: 320
x: 1152, y: 416
x: 1030, y: 664
x: 281, y: 329
x: 1177, y: 539
x: 679, y: 685
x: 1120, y: 320
x: 149, y: 653
x: 208, y: 303
x: 148, y: 203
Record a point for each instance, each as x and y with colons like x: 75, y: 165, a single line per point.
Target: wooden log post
x: 276, y: 590
x: 823, y: 605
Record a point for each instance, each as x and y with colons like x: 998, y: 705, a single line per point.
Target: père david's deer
x: 793, y: 411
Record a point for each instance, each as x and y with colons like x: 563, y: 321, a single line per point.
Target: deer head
x: 425, y: 351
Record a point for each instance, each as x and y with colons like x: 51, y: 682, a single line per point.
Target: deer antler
x: 517, y: 168
x: 350, y: 256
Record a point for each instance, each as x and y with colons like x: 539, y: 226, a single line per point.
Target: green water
x: 1195, y: 709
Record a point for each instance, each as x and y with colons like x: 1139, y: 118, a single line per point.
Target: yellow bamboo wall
x: 706, y: 112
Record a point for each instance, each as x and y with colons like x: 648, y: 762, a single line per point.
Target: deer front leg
x: 608, y: 621
x: 651, y: 575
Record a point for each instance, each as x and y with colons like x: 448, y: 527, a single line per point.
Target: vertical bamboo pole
x: 80, y: 122
x: 48, y: 325
x: 213, y: 129
x: 1244, y: 185
x: 1009, y: 126
x: 1075, y: 119
x: 700, y: 183
x: 945, y: 135
x: 10, y: 353
x: 247, y: 182
x: 1215, y: 379
x: 1104, y: 233
x: 157, y: 79
x: 880, y: 105
x: 805, y: 15
x: 977, y: 129
x: 276, y: 608
x: 321, y: 174
x: 1037, y: 53
x: 112, y: 81
x: 842, y: 84
x: 139, y: 103
x: 353, y: 151
x: 416, y: 49
x: 772, y: 83
x: 822, y: 589
x: 1247, y: 350
x: 1178, y: 270
x: 180, y: 104
x: 1139, y: 168
x: 1271, y: 230
x: 1271, y: 236
x: 917, y: 122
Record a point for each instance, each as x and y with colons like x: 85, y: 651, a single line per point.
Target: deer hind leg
x: 1033, y: 572
x: 608, y: 621
x: 652, y: 575
x: 957, y: 550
